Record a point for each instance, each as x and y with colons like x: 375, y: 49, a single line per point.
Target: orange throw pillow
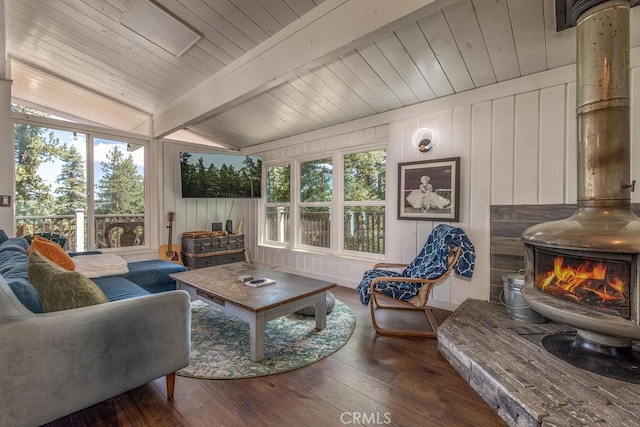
x: 52, y: 251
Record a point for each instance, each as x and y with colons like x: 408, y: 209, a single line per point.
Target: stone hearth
x: 525, y: 384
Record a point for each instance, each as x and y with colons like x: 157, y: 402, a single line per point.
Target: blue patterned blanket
x: 431, y: 263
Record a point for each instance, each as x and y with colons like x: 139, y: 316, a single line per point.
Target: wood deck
x: 404, y: 379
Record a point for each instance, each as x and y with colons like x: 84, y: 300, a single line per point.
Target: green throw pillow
x: 61, y: 289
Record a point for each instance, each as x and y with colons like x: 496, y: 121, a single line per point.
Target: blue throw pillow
x: 15, y: 242
x: 26, y: 293
x: 3, y: 236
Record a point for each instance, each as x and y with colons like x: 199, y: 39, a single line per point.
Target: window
x: 364, y: 201
x: 316, y: 194
x: 86, y: 188
x: 277, y: 226
x: 335, y: 202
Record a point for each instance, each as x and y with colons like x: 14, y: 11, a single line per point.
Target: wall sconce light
x: 424, y: 139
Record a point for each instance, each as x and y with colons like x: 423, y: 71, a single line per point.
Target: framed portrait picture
x: 429, y: 190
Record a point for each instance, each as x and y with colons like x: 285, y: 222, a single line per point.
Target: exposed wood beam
x: 332, y: 28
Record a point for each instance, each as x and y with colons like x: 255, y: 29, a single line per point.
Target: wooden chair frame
x: 375, y: 304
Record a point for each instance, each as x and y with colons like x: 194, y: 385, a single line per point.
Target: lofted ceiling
x: 260, y: 70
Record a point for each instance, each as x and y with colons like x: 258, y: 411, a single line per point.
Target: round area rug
x: 220, y: 343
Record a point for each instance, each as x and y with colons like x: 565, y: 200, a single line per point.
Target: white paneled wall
x: 198, y: 214
x: 517, y: 143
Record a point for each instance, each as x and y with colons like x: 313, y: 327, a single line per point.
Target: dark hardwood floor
x: 372, y: 380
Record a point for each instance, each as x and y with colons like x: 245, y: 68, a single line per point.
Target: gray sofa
x: 61, y: 362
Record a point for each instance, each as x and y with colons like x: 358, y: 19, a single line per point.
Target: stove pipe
x: 603, y: 220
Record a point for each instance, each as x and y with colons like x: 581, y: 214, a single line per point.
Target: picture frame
x: 429, y: 190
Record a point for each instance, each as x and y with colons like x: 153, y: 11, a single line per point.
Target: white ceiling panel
x: 76, y: 58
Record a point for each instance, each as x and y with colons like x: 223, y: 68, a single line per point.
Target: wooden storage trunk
x: 201, y: 249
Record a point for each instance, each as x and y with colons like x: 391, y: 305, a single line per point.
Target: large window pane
x: 364, y: 176
x: 315, y: 226
x: 316, y: 182
x: 364, y: 201
x: 51, y: 189
x: 119, y: 193
x: 277, y: 224
x: 364, y: 229
x: 277, y: 214
x: 279, y: 184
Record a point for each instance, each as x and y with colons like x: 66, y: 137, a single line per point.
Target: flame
x: 588, y: 276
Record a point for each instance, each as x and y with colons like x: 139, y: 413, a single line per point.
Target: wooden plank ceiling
x: 76, y: 58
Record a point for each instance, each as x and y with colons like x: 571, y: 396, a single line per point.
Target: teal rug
x: 220, y: 343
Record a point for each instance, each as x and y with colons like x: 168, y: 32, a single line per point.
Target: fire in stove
x: 599, y: 284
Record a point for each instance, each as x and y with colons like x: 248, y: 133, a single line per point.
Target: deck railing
x: 110, y: 231
x: 363, y: 231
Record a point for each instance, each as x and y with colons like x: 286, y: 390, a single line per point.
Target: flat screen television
x: 220, y: 175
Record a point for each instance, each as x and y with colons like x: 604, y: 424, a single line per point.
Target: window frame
x: 266, y: 204
x: 92, y: 133
x: 337, y: 204
x: 299, y: 204
x: 344, y: 203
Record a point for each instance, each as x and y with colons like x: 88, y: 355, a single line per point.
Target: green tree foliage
x: 364, y: 176
x: 279, y: 184
x: 316, y: 183
x: 72, y: 184
x: 121, y: 188
x: 200, y: 180
x: 32, y: 148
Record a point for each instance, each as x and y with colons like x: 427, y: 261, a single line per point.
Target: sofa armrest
x: 58, y: 363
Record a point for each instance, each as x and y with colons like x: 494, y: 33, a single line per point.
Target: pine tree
x: 279, y: 184
x: 32, y: 149
x: 121, y: 188
x: 364, y: 176
x: 316, y: 183
x: 72, y: 190
x: 249, y: 176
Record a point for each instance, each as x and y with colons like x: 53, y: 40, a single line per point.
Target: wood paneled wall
x: 198, y: 213
x: 517, y: 143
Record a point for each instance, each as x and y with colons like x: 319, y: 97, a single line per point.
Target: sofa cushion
x: 119, y: 288
x: 61, y: 289
x: 52, y: 251
x: 15, y: 244
x: 13, y: 268
x: 3, y: 236
x: 146, y: 273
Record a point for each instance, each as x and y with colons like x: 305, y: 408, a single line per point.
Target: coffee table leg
x: 321, y: 312
x: 256, y: 336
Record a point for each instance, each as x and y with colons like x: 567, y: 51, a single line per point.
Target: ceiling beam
x: 332, y: 28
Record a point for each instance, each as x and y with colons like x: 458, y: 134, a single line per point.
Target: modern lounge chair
x: 447, y: 249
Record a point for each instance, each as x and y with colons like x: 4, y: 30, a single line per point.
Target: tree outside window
x: 316, y: 194
x: 51, y: 169
x: 364, y: 201
x: 278, y: 197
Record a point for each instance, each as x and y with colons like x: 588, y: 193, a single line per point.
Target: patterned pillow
x: 52, y: 251
x: 61, y: 289
x: 311, y: 310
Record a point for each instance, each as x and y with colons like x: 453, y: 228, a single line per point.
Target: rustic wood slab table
x: 221, y: 287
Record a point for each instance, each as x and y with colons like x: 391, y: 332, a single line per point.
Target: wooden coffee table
x: 220, y: 287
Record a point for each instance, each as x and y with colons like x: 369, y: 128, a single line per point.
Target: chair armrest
x: 389, y: 265
x: 61, y: 362
x: 404, y: 280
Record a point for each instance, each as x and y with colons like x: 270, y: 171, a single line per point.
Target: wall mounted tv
x: 220, y: 175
